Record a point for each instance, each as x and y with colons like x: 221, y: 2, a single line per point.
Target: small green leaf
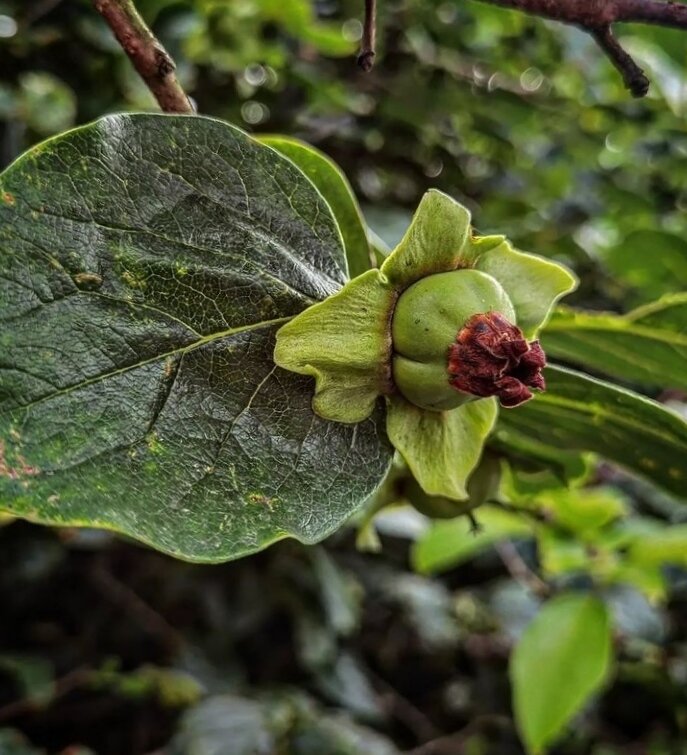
x: 646, y: 346
x: 666, y: 546
x: 647, y: 579
x: 166, y: 251
x: 337, y: 191
x: 441, y: 448
x: 343, y: 342
x: 583, y: 510
x: 13, y: 742
x: 563, y: 657
x: 580, y: 412
x: 34, y: 675
x: 559, y: 553
x: 449, y: 543
x: 299, y: 18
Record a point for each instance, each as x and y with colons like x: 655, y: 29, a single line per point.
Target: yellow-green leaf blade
x: 563, y: 657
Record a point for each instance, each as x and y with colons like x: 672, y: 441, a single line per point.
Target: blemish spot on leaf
x: 170, y: 366
x: 132, y: 280
x: 647, y: 463
x: 7, y: 198
x: 262, y: 500
x: 14, y: 466
x: 153, y: 443
x: 88, y: 281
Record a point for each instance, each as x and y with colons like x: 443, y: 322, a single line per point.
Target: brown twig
x: 366, y: 55
x: 519, y: 570
x: 403, y: 710
x: 452, y: 744
x: 633, y: 76
x: 149, y: 57
x: 123, y: 596
x: 596, y: 17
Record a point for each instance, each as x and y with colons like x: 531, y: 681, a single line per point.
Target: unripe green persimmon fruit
x: 428, y: 317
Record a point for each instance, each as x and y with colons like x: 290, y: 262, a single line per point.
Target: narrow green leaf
x: 580, y: 412
x: 651, y: 261
x: 563, y: 657
x: 449, y: 543
x: 146, y: 263
x: 337, y: 191
x: 583, y: 510
x: 647, y: 346
x: 441, y: 448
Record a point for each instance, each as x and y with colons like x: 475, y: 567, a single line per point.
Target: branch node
x: 165, y: 65
x: 366, y: 59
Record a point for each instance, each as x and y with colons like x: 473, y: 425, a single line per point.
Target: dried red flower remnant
x: 491, y: 357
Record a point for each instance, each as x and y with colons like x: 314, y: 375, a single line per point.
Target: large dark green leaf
x: 145, y: 265
x: 579, y: 412
x: 647, y: 345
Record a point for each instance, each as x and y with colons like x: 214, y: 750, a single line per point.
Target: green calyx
x: 425, y: 323
x: 369, y: 340
x: 482, y: 487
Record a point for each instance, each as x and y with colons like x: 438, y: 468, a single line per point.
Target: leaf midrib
x: 173, y: 352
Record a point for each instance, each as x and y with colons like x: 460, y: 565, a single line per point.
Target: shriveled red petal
x: 491, y: 357
x: 512, y: 392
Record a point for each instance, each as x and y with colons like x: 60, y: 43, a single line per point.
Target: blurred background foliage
x: 108, y: 648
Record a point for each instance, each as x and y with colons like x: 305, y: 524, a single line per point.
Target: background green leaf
x: 336, y: 189
x: 646, y: 346
x: 580, y: 412
x: 166, y: 251
x: 449, y: 543
x: 563, y: 657
x: 650, y: 261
